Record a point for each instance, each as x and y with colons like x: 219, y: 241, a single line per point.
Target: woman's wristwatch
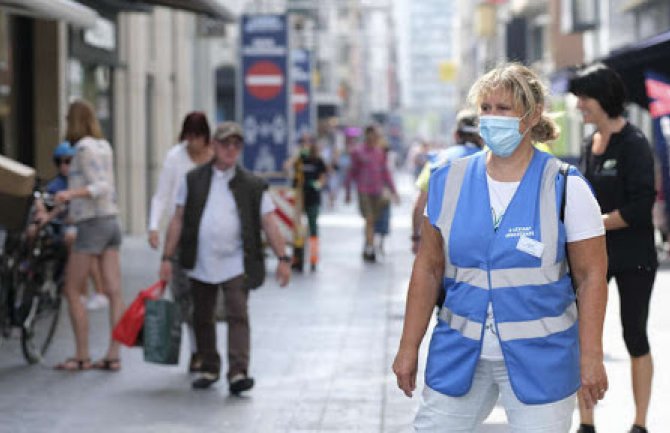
x: 285, y: 258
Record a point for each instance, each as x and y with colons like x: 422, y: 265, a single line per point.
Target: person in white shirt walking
x: 220, y: 212
x: 193, y: 149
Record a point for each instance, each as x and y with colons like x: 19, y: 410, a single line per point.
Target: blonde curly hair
x: 528, y: 96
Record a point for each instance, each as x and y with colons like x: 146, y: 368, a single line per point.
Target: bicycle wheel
x: 40, y: 324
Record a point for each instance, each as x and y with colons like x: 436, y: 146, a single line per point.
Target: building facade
x: 137, y: 63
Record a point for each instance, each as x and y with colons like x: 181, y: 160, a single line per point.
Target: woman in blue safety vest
x: 497, y: 239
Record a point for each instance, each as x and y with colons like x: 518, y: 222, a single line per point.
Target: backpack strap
x: 564, y: 169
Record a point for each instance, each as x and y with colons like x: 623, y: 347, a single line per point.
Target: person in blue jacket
x: 467, y: 142
x: 497, y: 240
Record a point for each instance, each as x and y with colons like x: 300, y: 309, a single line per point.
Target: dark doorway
x: 23, y: 44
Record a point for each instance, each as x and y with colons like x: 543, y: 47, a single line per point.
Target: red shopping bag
x: 130, y: 324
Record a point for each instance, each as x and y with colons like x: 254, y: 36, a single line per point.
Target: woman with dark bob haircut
x: 193, y: 149
x: 618, y: 162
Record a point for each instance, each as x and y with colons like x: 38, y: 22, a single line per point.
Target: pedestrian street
x: 322, y: 350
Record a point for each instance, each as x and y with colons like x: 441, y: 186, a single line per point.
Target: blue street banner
x: 264, y: 88
x: 302, y: 102
x: 658, y: 91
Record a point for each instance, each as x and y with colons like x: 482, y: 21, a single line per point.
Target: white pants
x: 444, y: 414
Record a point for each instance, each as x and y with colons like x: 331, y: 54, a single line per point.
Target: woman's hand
x: 594, y: 380
x: 424, y: 286
x: 588, y: 264
x: 405, y: 368
x: 63, y: 196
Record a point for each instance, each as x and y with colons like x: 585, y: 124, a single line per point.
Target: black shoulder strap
x: 564, y: 169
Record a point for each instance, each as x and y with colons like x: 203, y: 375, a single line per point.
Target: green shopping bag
x: 162, y: 331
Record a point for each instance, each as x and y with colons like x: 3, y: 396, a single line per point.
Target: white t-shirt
x: 220, y: 256
x: 177, y: 163
x: 582, y: 221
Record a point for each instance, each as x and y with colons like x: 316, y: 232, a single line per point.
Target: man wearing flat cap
x: 221, y: 209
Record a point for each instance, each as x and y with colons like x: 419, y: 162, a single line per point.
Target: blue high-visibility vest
x: 521, y: 268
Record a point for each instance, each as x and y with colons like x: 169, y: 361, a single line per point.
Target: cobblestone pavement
x: 321, y: 355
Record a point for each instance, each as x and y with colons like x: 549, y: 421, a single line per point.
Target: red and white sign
x: 299, y: 98
x: 264, y: 80
x: 660, y: 93
x: 284, y: 200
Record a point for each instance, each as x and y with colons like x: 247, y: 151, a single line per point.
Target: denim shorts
x: 445, y: 414
x: 95, y: 235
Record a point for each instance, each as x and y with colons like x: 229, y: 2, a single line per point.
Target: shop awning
x: 212, y: 8
x: 69, y: 11
x: 633, y: 60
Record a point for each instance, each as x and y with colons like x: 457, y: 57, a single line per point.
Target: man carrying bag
x: 220, y: 212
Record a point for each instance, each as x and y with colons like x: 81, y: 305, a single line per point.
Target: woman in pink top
x: 370, y: 173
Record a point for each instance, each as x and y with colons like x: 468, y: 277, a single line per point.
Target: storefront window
x: 92, y: 83
x: 93, y: 56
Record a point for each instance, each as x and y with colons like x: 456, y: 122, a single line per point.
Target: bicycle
x: 32, y: 274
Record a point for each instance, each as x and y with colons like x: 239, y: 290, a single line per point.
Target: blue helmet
x: 64, y: 150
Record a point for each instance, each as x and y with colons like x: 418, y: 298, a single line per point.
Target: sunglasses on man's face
x: 228, y: 143
x: 65, y: 161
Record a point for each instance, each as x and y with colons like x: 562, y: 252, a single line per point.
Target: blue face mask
x: 501, y: 134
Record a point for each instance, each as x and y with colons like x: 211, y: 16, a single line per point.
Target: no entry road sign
x: 300, y: 98
x: 264, y: 80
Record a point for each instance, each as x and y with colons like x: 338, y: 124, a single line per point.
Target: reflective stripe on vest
x: 452, y: 192
x: 468, y: 328
x: 501, y: 278
x: 512, y: 330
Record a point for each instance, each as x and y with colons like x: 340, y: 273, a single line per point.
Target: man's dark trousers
x: 204, y: 324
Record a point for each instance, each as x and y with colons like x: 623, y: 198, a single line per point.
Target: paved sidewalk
x: 321, y: 354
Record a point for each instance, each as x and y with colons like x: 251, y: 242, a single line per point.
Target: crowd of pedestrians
x: 514, y: 247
